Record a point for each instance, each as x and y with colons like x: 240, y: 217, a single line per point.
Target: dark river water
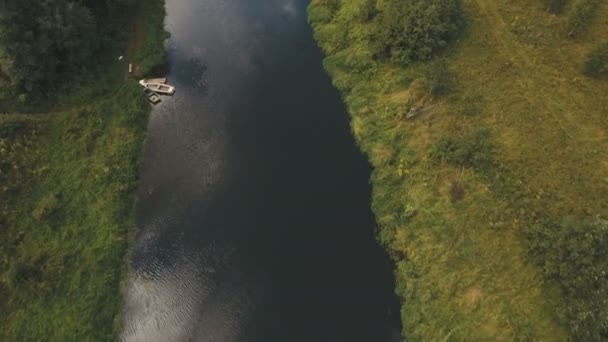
x: 254, y: 220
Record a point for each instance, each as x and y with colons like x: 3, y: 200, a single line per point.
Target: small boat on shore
x: 157, y: 87
x: 161, y: 80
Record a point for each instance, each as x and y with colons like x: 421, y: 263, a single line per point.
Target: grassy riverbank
x: 490, y: 199
x: 67, y: 180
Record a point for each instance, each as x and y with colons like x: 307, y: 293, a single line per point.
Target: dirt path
x: 136, y: 36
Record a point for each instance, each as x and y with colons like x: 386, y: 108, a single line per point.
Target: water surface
x: 254, y: 219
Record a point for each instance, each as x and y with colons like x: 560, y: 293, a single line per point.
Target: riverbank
x: 489, y: 169
x: 67, y: 183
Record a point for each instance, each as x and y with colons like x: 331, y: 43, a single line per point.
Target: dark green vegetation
x: 597, y: 62
x: 490, y: 160
x: 410, y: 31
x: 152, y: 38
x: 43, y: 42
x: 582, y: 16
x: 66, y: 187
x: 555, y: 6
x: 473, y: 149
x: 574, y: 253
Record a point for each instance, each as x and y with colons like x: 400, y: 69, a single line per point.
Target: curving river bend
x: 254, y: 220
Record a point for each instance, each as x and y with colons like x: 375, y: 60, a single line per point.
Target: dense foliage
x: 573, y: 252
x: 413, y: 30
x: 597, y: 62
x: 42, y: 42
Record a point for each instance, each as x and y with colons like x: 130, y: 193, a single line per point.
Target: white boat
x: 158, y: 87
x: 162, y: 80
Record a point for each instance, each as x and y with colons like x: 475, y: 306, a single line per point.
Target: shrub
x: 439, y: 78
x: 319, y: 14
x: 471, y: 104
x: 368, y: 10
x: 573, y: 253
x: 332, y: 5
x: 12, y: 129
x: 413, y: 30
x: 555, y: 6
x: 581, y: 17
x: 596, y: 65
x: 473, y: 149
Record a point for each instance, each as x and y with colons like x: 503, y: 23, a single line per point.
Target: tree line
x: 43, y: 41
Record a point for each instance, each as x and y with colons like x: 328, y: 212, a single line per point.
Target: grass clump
x: 555, y: 6
x: 473, y: 149
x: 439, y: 78
x: 596, y: 65
x: 581, y: 17
x: 368, y: 10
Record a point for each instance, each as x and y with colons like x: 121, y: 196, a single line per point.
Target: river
x: 253, y: 213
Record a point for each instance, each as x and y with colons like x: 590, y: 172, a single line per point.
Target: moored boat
x: 159, y: 88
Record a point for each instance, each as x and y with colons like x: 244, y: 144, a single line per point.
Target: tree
x: 413, y: 30
x: 43, y: 41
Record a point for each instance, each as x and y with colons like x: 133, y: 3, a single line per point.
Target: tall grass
x: 596, y: 65
x: 66, y: 233
x: 581, y: 17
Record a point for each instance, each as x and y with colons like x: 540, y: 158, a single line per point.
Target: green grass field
x: 67, y: 180
x: 512, y: 136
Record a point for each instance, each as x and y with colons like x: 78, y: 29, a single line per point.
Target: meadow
x: 490, y: 161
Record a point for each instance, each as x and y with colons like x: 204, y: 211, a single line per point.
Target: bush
x: 573, y: 252
x: 473, y: 149
x: 367, y: 11
x: 12, y: 129
x: 596, y: 65
x: 332, y: 5
x: 152, y: 51
x: 319, y: 14
x: 581, y: 17
x: 413, y: 30
x: 555, y: 6
x: 439, y: 78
